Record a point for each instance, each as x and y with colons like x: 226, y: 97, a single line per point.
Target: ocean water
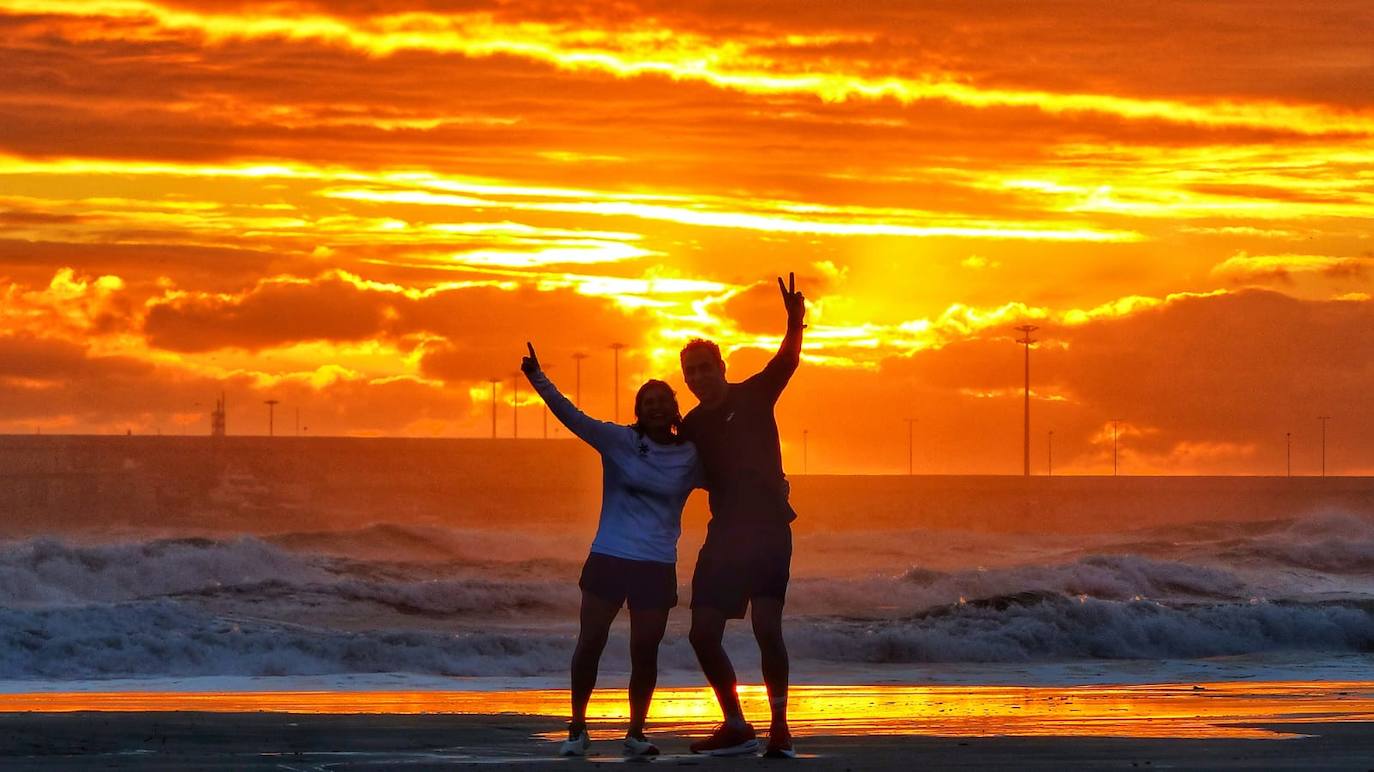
x: 1232, y: 599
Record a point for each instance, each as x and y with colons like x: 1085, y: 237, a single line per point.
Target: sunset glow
x: 364, y: 214
x: 1204, y: 710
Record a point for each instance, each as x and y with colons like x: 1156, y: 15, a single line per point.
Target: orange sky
x: 364, y: 209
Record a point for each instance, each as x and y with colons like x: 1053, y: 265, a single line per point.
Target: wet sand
x: 1229, y: 725
x: 275, y: 741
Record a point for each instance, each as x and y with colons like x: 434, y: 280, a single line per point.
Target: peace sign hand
x: 792, y: 300
x: 529, y: 364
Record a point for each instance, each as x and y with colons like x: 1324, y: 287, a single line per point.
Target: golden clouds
x: 1269, y: 267
x: 77, y: 305
x: 1258, y: 363
x: 740, y: 62
x: 380, y: 206
x: 780, y: 217
x: 277, y: 311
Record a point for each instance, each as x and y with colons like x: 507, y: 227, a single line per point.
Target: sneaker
x: 780, y: 745
x: 728, y: 740
x: 639, y: 746
x: 576, y: 745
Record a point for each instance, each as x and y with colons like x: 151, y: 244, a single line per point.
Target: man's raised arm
x: 780, y: 368
x: 795, y: 304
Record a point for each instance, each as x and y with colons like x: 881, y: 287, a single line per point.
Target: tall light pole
x: 578, y: 357
x: 1049, y: 454
x: 271, y: 408
x: 493, y: 382
x: 1026, y: 340
x: 806, y: 465
x: 910, y: 447
x: 1115, y: 421
x: 615, y: 388
x: 1323, y: 419
x: 1288, y: 451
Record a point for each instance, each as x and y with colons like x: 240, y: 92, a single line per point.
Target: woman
x: 647, y: 471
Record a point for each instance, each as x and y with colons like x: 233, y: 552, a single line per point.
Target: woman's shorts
x: 643, y: 584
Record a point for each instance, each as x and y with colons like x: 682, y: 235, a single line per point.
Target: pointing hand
x: 530, y: 363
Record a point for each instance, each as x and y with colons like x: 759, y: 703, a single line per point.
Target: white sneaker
x: 637, y: 747
x: 576, y: 746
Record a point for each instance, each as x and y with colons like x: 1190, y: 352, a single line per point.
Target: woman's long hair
x: 675, y: 423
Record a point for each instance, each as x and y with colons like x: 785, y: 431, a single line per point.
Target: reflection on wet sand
x: 1165, y: 710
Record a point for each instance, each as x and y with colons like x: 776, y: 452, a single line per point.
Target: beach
x: 1273, y: 725
x: 207, y: 741
x: 991, y: 380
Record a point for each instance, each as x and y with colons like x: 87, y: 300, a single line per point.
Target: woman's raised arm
x: 598, y: 434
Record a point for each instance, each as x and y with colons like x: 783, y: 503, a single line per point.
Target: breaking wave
x: 164, y: 638
x: 469, y: 602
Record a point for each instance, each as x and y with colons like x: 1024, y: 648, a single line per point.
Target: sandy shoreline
x: 262, y: 741
x: 1278, y: 724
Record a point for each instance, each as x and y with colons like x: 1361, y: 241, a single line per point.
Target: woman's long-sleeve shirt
x: 644, y: 484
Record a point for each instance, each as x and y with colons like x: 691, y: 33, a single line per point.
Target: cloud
x: 458, y: 334
x: 60, y: 385
x: 369, y: 207
x: 747, y: 58
x: 1206, y: 382
x: 978, y: 263
x: 71, y: 304
x: 484, y: 331
x: 273, y: 313
x: 1281, y: 268
x: 758, y: 309
x: 42, y: 362
x: 57, y: 382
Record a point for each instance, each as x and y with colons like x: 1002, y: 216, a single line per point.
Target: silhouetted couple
x: 728, y: 444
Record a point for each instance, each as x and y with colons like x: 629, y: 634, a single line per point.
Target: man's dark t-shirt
x: 737, y: 442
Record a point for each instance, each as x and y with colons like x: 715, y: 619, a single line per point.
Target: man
x: 746, y: 559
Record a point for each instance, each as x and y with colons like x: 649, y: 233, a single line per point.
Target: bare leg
x: 766, y: 615
x: 708, y: 629
x: 597, y: 615
x: 646, y: 632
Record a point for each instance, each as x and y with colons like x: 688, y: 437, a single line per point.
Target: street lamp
x: 1115, y: 421
x: 1026, y: 340
x: 493, y: 382
x: 271, y: 408
x: 578, y: 357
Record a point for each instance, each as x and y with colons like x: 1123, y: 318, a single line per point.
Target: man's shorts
x: 737, y: 565
x: 643, y: 584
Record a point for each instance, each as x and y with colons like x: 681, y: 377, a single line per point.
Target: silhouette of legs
x: 646, y: 632
x: 708, y: 629
x: 597, y: 615
x: 766, y: 615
